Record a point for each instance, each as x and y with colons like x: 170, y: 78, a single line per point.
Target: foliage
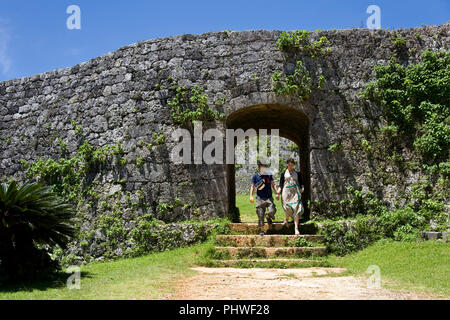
x: 158, y: 139
x: 299, y: 242
x: 417, y: 101
x: 292, y: 147
x: 68, y: 176
x: 190, y: 105
x: 31, y: 216
x: 345, y: 236
x: 355, y: 202
x: 139, y: 162
x: 110, y: 225
x: 399, y: 44
x: 335, y: 147
x: 300, y: 40
x: 289, y: 40
x: 299, y: 83
x: 321, y: 81
x: 366, y: 145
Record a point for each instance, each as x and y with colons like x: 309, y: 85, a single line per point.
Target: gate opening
x: 293, y: 125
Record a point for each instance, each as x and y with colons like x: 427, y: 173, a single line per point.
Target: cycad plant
x: 31, y: 215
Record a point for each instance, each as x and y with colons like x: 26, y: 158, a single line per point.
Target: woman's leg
x: 286, y: 220
x: 296, y: 220
x: 300, y: 211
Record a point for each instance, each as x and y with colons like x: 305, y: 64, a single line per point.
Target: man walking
x: 263, y: 182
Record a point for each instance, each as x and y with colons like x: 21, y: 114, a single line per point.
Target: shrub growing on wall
x: 417, y: 101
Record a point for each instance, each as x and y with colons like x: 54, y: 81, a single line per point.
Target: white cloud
x: 5, y: 60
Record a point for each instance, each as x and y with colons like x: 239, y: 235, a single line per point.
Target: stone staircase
x: 278, y: 248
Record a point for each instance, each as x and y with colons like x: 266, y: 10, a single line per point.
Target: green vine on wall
x: 300, y: 83
x: 417, y: 102
x: 191, y: 104
x: 300, y: 41
x: 68, y: 175
x: 113, y: 216
x: 399, y: 43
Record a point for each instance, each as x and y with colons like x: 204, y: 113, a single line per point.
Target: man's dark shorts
x: 261, y: 206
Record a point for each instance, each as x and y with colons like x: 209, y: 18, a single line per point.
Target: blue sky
x: 34, y: 37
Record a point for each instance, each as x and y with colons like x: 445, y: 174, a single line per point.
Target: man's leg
x: 260, y: 211
x: 272, y: 209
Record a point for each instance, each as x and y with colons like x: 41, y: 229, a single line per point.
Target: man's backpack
x: 260, y: 184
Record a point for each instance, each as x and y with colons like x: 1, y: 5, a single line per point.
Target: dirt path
x: 281, y: 284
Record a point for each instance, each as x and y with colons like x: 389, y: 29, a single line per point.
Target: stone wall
x: 122, y: 96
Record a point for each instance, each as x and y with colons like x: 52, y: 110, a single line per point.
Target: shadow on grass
x: 56, y: 280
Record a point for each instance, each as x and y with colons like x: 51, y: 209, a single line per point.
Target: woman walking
x: 291, y: 188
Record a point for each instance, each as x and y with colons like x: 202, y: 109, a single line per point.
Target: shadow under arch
x: 292, y: 124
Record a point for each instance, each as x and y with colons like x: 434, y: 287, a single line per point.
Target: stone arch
x: 293, y: 123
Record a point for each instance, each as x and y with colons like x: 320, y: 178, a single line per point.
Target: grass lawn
x: 248, y: 210
x: 422, y: 265
x: 149, y: 277
x: 416, y: 266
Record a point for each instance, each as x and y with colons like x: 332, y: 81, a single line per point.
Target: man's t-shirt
x: 266, y: 192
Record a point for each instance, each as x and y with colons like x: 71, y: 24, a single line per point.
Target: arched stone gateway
x: 292, y: 122
x: 127, y: 97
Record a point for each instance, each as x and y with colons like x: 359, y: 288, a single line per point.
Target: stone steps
x: 267, y: 252
x: 276, y: 228
x: 268, y: 263
x: 263, y: 241
x: 245, y: 248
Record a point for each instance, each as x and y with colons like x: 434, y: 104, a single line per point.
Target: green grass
x: 149, y: 277
x: 416, y: 266
x: 420, y: 266
x: 248, y: 210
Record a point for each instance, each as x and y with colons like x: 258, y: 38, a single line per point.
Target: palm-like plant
x: 31, y: 214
